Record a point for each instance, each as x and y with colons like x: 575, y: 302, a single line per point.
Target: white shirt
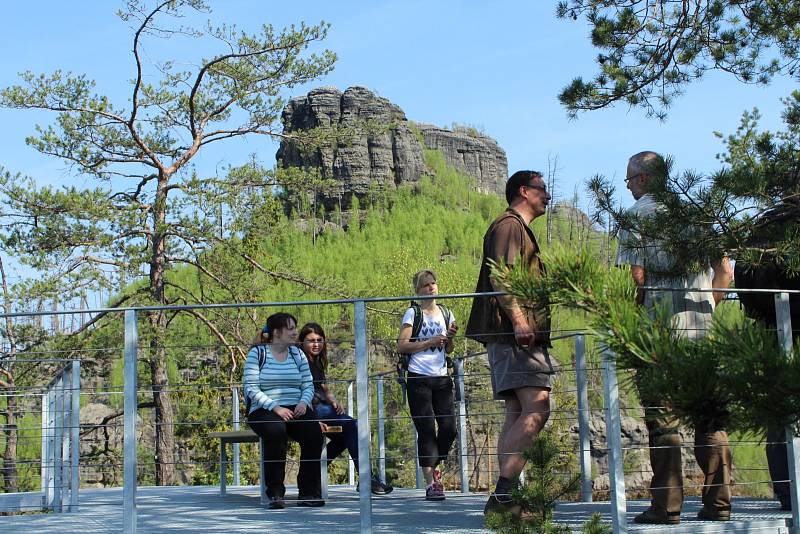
x: 431, y: 361
x: 691, y: 310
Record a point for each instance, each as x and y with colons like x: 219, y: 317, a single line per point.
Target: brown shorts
x: 513, y: 367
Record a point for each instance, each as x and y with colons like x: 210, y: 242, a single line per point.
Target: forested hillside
x: 286, y: 254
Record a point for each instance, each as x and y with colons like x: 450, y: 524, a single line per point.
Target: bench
x: 239, y: 436
x: 248, y: 436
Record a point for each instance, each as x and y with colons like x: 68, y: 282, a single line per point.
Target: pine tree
x: 650, y: 50
x: 146, y: 209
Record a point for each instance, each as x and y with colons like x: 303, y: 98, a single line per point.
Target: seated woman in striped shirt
x: 278, y: 389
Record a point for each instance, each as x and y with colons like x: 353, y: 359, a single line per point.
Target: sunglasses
x: 539, y: 187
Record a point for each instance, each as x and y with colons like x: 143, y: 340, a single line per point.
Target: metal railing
x: 60, y: 448
x: 361, y: 402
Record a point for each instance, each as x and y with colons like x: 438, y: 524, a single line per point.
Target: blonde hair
x: 419, y: 278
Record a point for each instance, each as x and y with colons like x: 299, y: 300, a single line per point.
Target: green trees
x: 147, y: 209
x: 651, y: 49
x: 736, y: 377
x: 749, y: 210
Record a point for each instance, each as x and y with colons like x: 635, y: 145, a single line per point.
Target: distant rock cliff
x: 388, y: 157
x: 472, y: 152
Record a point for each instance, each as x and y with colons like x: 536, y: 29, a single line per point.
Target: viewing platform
x: 163, y: 510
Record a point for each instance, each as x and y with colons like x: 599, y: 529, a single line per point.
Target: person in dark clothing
x: 768, y: 274
x: 327, y: 410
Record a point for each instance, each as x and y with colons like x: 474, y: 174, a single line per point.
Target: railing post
x: 75, y: 436
x: 381, y: 430
x: 235, y: 399
x: 463, y: 464
x: 45, y: 467
x: 419, y: 479
x: 130, y: 409
x: 619, y: 521
x: 585, y: 456
x: 351, y: 467
x: 51, y: 448
x: 58, y: 445
x: 364, y: 431
x: 784, y: 323
x: 66, y: 454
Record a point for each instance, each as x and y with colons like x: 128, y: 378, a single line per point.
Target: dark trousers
x: 778, y: 464
x: 306, y: 432
x: 430, y: 400
x: 347, y: 439
x: 713, y: 455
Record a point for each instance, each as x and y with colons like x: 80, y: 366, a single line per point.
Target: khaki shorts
x: 513, y: 367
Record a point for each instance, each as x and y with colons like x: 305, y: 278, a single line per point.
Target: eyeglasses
x: 314, y: 341
x: 629, y: 178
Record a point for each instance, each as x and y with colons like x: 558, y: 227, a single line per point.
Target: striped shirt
x: 278, y: 383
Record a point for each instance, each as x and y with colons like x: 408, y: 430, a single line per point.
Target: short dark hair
x: 517, y: 180
x: 276, y: 321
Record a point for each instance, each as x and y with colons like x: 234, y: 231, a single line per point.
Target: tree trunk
x: 10, y: 474
x: 164, y: 414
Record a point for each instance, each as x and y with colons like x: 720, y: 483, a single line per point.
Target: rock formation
x: 389, y: 153
x: 476, y: 154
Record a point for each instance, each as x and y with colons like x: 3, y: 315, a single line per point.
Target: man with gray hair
x: 690, y: 312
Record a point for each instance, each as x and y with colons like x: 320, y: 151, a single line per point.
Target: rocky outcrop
x: 472, y: 152
x: 637, y: 460
x: 385, y: 149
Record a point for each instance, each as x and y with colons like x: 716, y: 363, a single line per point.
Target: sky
x: 498, y: 66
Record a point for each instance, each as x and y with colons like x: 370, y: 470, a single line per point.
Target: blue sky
x: 496, y: 65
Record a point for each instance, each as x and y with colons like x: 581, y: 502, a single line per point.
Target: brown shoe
x: 495, y: 506
x: 710, y: 514
x: 653, y: 516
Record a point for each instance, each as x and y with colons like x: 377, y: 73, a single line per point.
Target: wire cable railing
x: 466, y: 473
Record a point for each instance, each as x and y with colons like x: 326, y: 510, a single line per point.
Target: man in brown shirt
x: 516, y: 334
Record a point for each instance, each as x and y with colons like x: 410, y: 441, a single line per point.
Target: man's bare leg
x: 526, y: 415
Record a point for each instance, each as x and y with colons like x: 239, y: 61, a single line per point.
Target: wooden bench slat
x: 235, y: 434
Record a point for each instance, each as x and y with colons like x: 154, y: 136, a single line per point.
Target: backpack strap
x: 295, y: 356
x: 447, y: 315
x: 262, y: 358
x: 416, y: 327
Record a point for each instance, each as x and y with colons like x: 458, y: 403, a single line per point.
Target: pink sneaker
x: 435, y: 492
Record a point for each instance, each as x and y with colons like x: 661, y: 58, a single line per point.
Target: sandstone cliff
x: 386, y: 156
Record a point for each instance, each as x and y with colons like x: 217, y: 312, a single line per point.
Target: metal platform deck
x: 200, y: 509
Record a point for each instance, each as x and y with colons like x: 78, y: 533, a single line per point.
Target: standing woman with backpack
x: 426, y: 335
x: 278, y: 389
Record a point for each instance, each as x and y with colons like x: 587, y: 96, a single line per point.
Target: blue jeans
x: 347, y: 439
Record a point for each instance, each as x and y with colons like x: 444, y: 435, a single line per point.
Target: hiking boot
x: 380, y: 488
x: 376, y: 486
x: 276, y: 503
x: 305, y: 500
x: 502, y: 505
x: 710, y: 514
x: 658, y: 517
